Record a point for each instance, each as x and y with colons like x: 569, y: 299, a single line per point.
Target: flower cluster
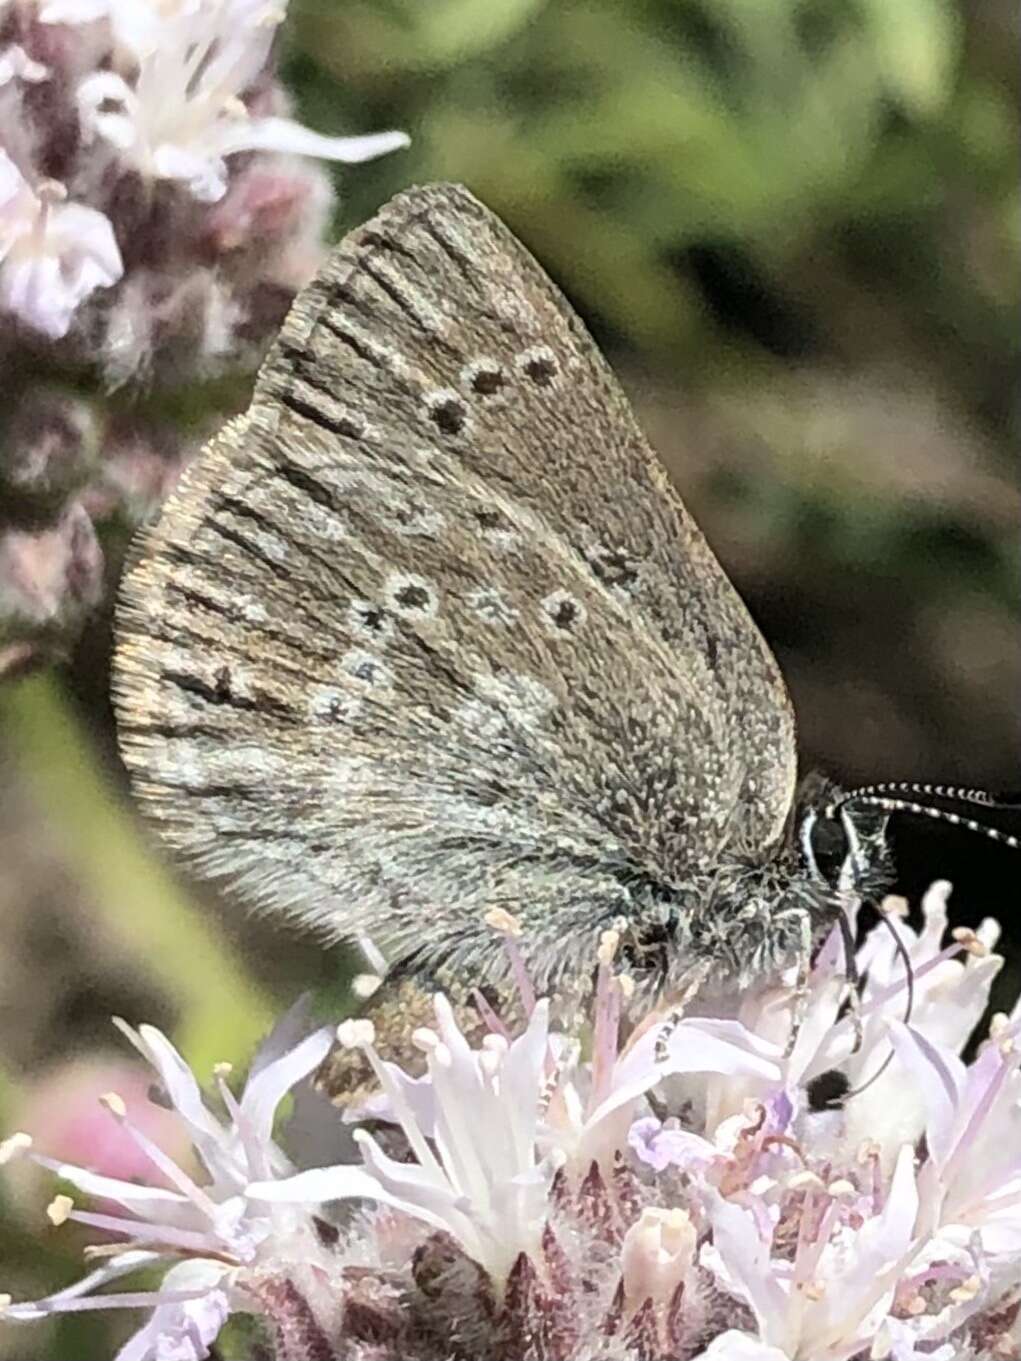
x: 157, y: 214
x: 686, y: 1193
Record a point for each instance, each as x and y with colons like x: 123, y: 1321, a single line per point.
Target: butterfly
x: 428, y: 632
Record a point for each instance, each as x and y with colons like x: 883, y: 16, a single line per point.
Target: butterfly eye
x: 824, y: 844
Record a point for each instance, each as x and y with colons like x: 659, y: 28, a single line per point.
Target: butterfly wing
x: 428, y: 630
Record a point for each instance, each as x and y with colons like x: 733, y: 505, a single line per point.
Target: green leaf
x: 916, y: 45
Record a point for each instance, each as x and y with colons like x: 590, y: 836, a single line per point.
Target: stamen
x: 174, y: 1174
x: 969, y: 942
x: 149, y: 1234
x: 495, y: 1023
x: 605, y: 1042
x: 509, y: 927
x: 503, y: 921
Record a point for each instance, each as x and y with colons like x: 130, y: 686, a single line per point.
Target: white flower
x: 53, y: 254
x: 76, y: 11
x: 950, y: 995
x: 212, y: 1225
x: 592, y: 1104
x: 735, y: 1346
x: 827, y: 1301
x: 971, y: 1180
x: 179, y: 113
x: 486, y: 1184
x: 769, y: 1234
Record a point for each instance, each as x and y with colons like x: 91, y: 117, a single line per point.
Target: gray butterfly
x: 427, y: 631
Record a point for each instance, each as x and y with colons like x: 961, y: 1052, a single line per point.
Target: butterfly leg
x: 694, y: 980
x: 802, y: 920
x: 853, y: 982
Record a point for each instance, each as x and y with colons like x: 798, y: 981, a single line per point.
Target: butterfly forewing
x: 427, y: 630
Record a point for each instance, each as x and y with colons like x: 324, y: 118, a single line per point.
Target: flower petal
x: 942, y: 1078
x: 126, y: 1262
x: 183, y: 1330
x: 735, y: 1346
x: 285, y: 135
x: 268, y: 1087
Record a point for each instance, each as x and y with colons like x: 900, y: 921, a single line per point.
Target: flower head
x: 212, y: 1237
x: 486, y: 1182
x: 528, y: 1194
x: 159, y: 209
x: 180, y: 110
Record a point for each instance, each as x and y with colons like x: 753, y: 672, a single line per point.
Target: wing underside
x: 427, y: 630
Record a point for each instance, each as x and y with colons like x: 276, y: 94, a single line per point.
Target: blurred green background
x: 794, y: 229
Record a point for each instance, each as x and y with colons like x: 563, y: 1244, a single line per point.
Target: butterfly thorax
x: 754, y: 917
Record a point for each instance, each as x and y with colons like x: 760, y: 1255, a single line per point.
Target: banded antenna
x: 901, y: 796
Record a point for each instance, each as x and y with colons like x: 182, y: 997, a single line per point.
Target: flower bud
x: 49, y: 579
x: 51, y: 444
x: 657, y: 1254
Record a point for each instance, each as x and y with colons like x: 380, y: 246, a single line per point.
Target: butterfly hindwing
x: 427, y: 630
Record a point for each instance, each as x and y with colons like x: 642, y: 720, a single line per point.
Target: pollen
x: 114, y: 1104
x: 966, y: 1291
x: 503, y: 921
x: 356, y: 1033
x: 363, y: 985
x: 59, y: 1210
x: 969, y: 942
x: 608, y: 943
x: 425, y: 1039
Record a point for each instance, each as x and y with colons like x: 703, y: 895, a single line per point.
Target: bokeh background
x: 794, y: 229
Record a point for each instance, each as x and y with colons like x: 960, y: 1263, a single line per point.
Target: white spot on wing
x: 367, y: 668
x: 491, y: 604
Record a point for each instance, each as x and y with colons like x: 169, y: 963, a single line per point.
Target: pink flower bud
x: 70, y: 1124
x: 50, y: 577
x: 51, y: 443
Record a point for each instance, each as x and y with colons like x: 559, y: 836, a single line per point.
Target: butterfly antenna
x: 955, y: 793
x: 909, y: 970
x: 890, y: 798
